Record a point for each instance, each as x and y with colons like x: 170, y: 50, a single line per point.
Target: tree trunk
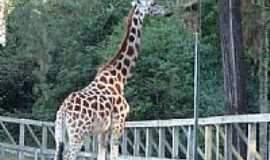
x: 261, y: 50
x: 233, y: 64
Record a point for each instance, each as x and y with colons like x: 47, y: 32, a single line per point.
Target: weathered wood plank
x: 44, y: 141
x: 175, y: 142
x: 208, y: 142
x: 252, y: 143
x: 136, y: 142
x: 124, y: 143
x: 249, y: 118
x: 161, y: 146
x: 21, y: 142
x: 47, y: 152
x: 148, y: 146
x: 189, y: 143
x: 228, y: 142
x: 217, y: 142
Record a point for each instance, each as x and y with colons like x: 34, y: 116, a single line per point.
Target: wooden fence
x: 152, y: 140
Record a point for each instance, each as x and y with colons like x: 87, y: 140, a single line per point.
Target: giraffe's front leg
x: 118, y: 123
x: 115, y: 141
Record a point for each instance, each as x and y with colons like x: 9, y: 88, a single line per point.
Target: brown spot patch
x: 103, y: 79
x: 84, y: 111
x: 70, y: 107
x: 131, y: 38
x: 118, y: 87
x: 90, y: 99
x: 124, y: 71
x: 85, y: 103
x: 135, y: 20
x: 77, y: 108
x: 101, y: 107
x: 90, y: 113
x: 119, y: 77
x: 102, y: 98
x: 94, y: 105
x: 90, y: 92
x: 112, y: 90
x: 126, y: 62
x: 106, y: 73
x: 111, y: 80
x: 78, y: 100
x: 133, y: 30
x: 119, y: 65
x: 113, y: 72
x: 107, y: 105
x: 115, y: 109
x: 130, y: 51
x: 119, y: 100
x: 100, y: 86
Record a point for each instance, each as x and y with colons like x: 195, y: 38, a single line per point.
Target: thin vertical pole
x: 196, y: 96
x: 196, y: 83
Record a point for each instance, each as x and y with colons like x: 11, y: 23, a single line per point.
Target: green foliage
x: 56, y: 47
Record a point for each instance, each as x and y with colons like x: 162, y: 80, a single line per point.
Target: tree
x: 233, y: 64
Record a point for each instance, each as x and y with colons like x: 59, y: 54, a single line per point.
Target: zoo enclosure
x: 157, y: 139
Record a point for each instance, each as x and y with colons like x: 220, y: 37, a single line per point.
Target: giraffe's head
x: 151, y: 8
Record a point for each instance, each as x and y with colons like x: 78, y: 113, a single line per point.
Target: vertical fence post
x: 124, y: 143
x: 2, y: 152
x: 263, y: 140
x: 217, y: 142
x: 87, y: 144
x: 208, y: 144
x: 148, y: 146
x: 95, y: 144
x: 136, y: 142
x: 175, y: 142
x: 161, y: 146
x: 268, y: 141
x: 228, y: 142
x: 21, y: 142
x: 44, y: 142
x: 251, y: 142
x: 189, y: 144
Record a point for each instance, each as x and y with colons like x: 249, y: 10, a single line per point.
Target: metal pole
x: 196, y: 96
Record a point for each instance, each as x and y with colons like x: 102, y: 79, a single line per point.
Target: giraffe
x: 101, y: 108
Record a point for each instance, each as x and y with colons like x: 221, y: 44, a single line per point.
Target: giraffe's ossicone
x: 101, y: 107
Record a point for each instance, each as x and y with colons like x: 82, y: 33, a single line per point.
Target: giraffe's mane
x: 122, y: 44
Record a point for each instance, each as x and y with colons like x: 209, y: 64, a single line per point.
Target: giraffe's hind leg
x: 102, y: 144
x: 76, y: 138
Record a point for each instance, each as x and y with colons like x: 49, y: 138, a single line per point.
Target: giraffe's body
x: 101, y: 107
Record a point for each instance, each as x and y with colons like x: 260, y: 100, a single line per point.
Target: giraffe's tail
x: 59, y: 133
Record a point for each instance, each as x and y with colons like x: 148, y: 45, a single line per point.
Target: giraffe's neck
x: 127, y: 55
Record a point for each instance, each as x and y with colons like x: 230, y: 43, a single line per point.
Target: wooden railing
x: 157, y: 139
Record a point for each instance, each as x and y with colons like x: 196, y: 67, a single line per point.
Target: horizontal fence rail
x: 152, y: 140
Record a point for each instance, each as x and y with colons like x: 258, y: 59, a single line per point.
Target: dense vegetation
x: 56, y: 47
